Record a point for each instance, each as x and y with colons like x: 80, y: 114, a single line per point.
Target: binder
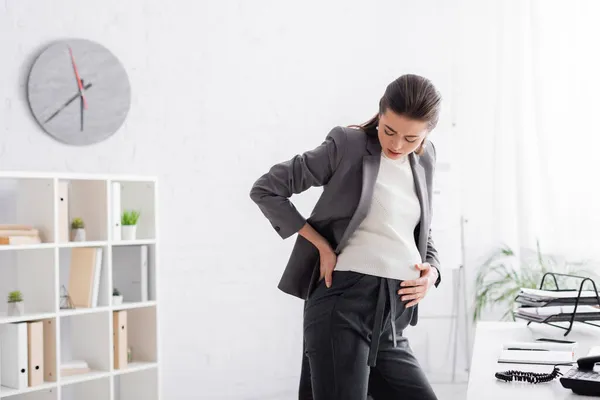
x: 130, y: 272
x: 120, y: 338
x: 35, y: 351
x: 14, y: 356
x: 96, y: 281
x: 63, y: 211
x: 83, y: 274
x: 116, y: 210
x: 49, y: 350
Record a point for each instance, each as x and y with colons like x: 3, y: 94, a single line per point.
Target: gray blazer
x: 346, y: 165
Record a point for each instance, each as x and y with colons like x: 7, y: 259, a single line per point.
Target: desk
x: 489, y: 338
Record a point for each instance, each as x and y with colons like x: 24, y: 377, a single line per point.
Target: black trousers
x: 353, y: 343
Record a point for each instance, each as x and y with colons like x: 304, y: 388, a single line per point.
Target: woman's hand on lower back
x: 328, y: 260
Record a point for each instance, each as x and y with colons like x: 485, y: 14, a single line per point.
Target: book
x: 16, y: 240
x: 542, y: 357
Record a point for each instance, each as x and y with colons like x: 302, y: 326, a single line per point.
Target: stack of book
x: 559, y: 305
x: 11, y: 234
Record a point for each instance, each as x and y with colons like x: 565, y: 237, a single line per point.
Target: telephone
x: 582, y: 379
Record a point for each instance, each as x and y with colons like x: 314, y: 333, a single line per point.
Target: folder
x: 130, y: 272
x: 120, y: 338
x: 35, y: 351
x: 63, y: 211
x: 83, y: 275
x: 49, y: 350
x: 116, y: 210
x: 14, y: 356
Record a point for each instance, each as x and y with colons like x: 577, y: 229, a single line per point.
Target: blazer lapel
x: 371, y: 163
x: 421, y: 189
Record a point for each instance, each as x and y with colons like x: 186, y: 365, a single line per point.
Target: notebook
x: 543, y: 357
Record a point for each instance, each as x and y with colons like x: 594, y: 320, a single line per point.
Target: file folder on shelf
x: 116, y: 210
x: 63, y: 211
x: 49, y: 350
x: 130, y: 272
x: 35, y: 350
x: 14, y: 356
x: 120, y: 338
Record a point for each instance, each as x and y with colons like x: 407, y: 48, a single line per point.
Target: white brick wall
x: 221, y: 90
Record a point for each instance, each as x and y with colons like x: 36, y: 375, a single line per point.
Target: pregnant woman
x: 365, y: 258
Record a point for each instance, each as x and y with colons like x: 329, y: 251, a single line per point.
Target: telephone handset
x: 582, y: 379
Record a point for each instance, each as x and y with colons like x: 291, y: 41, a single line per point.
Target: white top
x: 384, y: 243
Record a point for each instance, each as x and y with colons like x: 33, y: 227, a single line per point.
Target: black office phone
x: 582, y: 379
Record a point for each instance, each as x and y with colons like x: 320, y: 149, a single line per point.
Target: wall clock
x: 79, y: 92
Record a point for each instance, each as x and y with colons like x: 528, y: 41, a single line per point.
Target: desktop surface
x: 489, y: 338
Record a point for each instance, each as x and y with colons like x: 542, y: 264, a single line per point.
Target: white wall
x: 222, y: 90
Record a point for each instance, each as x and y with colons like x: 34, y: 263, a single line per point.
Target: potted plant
x: 117, y: 297
x: 501, y: 277
x: 16, y: 307
x: 129, y: 221
x: 78, y: 230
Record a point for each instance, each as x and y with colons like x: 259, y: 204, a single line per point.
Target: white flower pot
x: 117, y: 300
x: 79, y: 235
x: 16, y: 309
x: 128, y: 232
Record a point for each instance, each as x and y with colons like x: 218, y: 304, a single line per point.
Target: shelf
x: 129, y: 306
x: 133, y: 242
x: 134, y: 386
x: 133, y: 195
x: 135, y: 367
x: 86, y: 337
x: 32, y: 273
x: 101, y: 258
x: 82, y: 311
x: 89, y: 376
x: 97, y: 243
x: 16, y: 247
x: 134, y: 272
x: 30, y: 202
x: 72, y: 175
x: 25, y: 318
x: 5, y: 391
x: 96, y: 388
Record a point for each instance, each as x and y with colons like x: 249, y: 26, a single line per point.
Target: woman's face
x: 399, y: 135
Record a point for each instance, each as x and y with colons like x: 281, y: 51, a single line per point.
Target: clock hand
x: 86, y: 87
x: 79, y: 82
x: 81, y: 111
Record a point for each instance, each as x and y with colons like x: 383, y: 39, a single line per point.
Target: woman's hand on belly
x: 417, y: 289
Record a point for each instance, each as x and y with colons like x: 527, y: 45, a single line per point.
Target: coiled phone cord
x: 531, y: 377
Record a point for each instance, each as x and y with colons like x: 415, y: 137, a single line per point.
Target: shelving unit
x: 40, y: 270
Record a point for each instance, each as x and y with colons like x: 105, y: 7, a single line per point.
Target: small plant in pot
x: 117, y: 297
x: 78, y: 230
x: 129, y: 221
x: 16, y: 306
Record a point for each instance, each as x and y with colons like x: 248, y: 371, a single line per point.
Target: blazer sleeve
x: 432, y: 254
x: 272, y: 191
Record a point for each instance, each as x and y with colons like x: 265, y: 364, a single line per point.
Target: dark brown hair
x: 412, y: 96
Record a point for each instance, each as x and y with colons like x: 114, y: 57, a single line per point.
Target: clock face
x: 79, y: 92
